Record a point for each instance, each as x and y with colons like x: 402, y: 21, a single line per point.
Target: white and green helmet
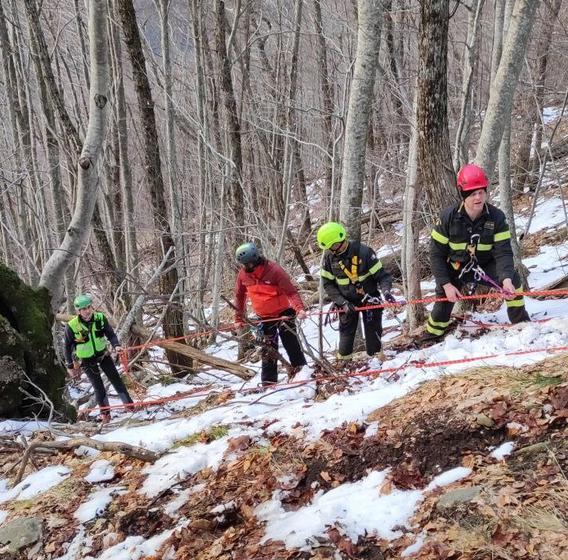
x: 82, y: 301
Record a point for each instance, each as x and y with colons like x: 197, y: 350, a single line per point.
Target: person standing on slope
x: 277, y: 303
x: 471, y: 236
x: 352, y: 277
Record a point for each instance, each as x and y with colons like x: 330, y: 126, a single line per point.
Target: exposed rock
x: 19, y: 533
x: 459, y: 496
x: 26, y: 350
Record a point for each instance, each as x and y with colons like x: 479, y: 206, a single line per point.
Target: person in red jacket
x: 272, y: 295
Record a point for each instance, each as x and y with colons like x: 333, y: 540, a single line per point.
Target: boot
x: 427, y: 339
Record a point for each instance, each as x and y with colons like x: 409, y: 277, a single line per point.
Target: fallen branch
x: 114, y: 446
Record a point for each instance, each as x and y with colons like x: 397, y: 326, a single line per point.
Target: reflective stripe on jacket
x: 455, y: 231
x: 270, y: 291
x: 89, y: 339
x: 337, y: 269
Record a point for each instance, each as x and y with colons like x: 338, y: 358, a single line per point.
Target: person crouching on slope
x: 86, y: 336
x: 272, y: 294
x: 352, y: 276
x: 471, y: 234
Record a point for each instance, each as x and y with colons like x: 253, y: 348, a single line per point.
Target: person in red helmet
x: 471, y: 236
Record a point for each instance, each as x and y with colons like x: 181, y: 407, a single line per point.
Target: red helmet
x: 471, y: 177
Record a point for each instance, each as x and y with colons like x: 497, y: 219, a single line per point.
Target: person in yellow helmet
x: 85, y: 349
x: 352, y: 274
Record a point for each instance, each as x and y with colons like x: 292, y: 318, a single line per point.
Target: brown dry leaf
x: 500, y: 537
x: 247, y: 512
x: 238, y: 443
x: 559, y: 399
x: 352, y: 428
x: 498, y: 410
x: 325, y: 476
x: 386, y: 488
x: 469, y: 461
x: 337, y: 453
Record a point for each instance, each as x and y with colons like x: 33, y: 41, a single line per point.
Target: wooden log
x: 114, y: 446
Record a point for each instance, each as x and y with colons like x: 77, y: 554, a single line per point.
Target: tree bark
x: 434, y: 154
x: 503, y: 88
x: 370, y: 17
x: 77, y: 232
x: 173, y: 320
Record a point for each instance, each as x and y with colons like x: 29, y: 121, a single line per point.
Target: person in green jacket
x: 86, y: 336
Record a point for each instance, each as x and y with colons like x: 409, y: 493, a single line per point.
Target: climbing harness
x: 353, y: 274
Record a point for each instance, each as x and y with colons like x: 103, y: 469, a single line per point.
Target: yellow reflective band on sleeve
x: 484, y: 247
x: 516, y: 303
x: 502, y: 236
x: 436, y: 236
x: 325, y: 274
x: 375, y: 268
x: 442, y: 324
x: 458, y: 246
x: 343, y: 281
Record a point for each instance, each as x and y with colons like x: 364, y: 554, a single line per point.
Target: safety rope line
x: 340, y: 376
x: 384, y: 305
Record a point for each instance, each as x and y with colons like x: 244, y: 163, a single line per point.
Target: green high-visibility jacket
x: 88, y: 342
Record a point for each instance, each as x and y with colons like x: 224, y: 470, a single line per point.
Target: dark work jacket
x: 370, y: 274
x: 69, y: 347
x: 455, y: 231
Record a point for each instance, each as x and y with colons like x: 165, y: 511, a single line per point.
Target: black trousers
x: 372, y: 325
x: 91, y: 369
x: 439, y: 318
x: 286, y: 329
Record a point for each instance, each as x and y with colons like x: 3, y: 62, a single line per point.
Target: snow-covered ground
x: 358, y: 506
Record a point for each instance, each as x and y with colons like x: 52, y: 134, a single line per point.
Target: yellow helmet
x: 330, y: 233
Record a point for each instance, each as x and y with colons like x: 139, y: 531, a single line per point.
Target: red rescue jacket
x: 270, y: 291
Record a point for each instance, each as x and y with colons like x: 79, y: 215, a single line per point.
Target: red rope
x: 352, y: 374
x: 197, y: 334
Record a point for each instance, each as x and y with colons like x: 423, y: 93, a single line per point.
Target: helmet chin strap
x: 342, y: 248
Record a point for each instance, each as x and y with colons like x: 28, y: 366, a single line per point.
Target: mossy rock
x: 26, y: 349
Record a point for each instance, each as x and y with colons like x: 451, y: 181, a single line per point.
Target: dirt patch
x: 426, y: 446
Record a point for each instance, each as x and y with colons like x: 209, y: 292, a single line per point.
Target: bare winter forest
x: 145, y: 134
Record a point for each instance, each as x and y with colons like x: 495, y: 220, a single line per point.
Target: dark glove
x: 389, y: 297
x: 348, y: 307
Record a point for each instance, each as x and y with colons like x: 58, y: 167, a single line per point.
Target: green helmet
x: 331, y: 233
x: 247, y: 253
x: 82, y: 301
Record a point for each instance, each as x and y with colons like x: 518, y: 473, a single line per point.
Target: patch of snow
x: 36, y: 483
x: 100, y: 472
x: 356, y: 508
x: 503, y: 450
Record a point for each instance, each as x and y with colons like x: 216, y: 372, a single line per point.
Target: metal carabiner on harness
x: 471, y: 248
x: 371, y: 300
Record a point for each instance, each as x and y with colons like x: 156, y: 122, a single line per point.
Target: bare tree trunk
x: 370, y: 16
x: 553, y: 10
x: 128, y: 214
x: 412, y: 222
x: 77, y: 232
x: 326, y: 87
x: 231, y: 116
x: 173, y: 319
x: 202, y: 139
x: 294, y: 128
x: 461, y: 147
x: 504, y: 85
x: 434, y: 154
